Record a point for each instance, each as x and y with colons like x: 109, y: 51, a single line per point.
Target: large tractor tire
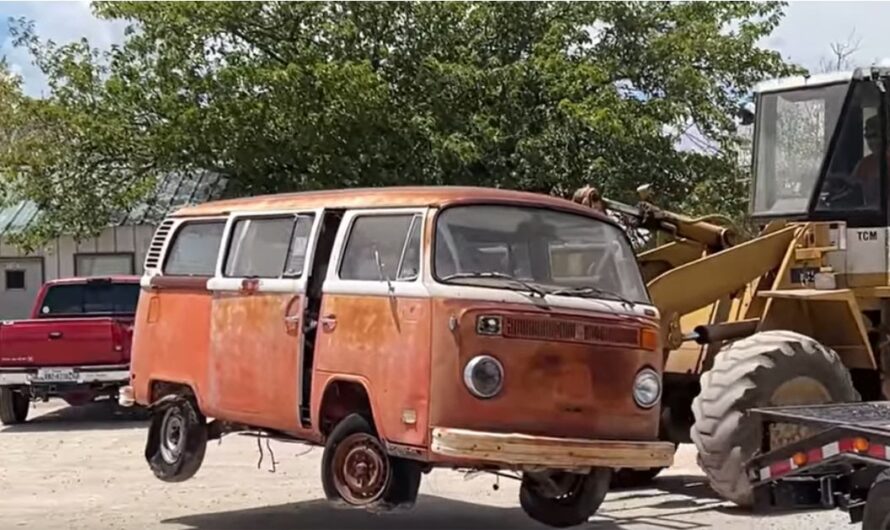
x: 770, y: 368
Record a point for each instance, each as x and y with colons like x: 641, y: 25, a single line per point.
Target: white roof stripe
x: 788, y: 83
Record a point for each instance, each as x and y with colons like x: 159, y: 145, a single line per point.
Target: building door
x: 20, y: 281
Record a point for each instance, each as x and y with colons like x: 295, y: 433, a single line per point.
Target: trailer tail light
x: 857, y: 445
x: 860, y: 445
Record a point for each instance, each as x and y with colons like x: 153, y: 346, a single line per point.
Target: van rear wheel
x: 177, y: 440
x: 563, y: 499
x: 13, y: 406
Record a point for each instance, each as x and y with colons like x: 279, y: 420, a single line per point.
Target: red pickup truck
x: 76, y: 345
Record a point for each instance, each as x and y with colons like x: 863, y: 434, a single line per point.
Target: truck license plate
x: 54, y: 375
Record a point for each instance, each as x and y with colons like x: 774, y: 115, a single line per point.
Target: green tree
x: 301, y: 95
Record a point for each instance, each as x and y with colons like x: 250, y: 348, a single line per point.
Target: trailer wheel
x: 357, y: 471
x: 564, y: 499
x: 13, y: 406
x: 177, y: 440
x: 770, y: 368
x: 877, y: 506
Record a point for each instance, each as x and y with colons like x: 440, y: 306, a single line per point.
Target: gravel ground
x: 83, y: 468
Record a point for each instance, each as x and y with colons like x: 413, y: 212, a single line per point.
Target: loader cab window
x: 851, y: 186
x: 793, y: 130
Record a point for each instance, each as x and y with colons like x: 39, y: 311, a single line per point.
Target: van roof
x: 385, y: 197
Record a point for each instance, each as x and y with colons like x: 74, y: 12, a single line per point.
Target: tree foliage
x: 302, y: 95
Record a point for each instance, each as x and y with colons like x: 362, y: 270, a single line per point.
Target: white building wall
x: 57, y: 260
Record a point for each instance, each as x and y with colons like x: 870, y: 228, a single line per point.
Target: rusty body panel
x: 172, y: 353
x: 552, y: 386
x: 253, y: 363
x: 384, y: 342
x: 392, y: 197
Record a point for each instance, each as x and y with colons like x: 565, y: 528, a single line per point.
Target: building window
x: 104, y: 264
x: 15, y: 279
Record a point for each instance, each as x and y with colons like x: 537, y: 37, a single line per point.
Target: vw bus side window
x: 268, y: 247
x: 195, y: 249
x: 392, y: 238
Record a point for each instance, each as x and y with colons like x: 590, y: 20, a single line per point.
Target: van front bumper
x: 519, y: 450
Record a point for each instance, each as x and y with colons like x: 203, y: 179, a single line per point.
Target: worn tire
x: 565, y: 512
x: 877, y: 506
x: 181, y: 465
x: 402, y: 485
x: 13, y: 407
x: 747, y: 374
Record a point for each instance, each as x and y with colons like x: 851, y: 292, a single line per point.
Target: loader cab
x: 817, y: 149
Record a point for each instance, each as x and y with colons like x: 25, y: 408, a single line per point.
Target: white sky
x: 804, y: 36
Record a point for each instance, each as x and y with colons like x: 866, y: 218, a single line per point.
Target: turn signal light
x: 800, y: 459
x: 648, y: 339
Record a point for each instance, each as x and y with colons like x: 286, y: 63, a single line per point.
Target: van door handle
x: 329, y: 322
x: 55, y: 335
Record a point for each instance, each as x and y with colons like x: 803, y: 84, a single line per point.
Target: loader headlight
x: 647, y: 388
x: 484, y: 376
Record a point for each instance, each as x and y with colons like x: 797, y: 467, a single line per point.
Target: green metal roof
x: 174, y: 190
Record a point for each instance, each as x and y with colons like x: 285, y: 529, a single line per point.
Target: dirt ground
x: 83, y: 468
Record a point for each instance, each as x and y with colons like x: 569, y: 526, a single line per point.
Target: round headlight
x: 484, y: 376
x: 647, y: 388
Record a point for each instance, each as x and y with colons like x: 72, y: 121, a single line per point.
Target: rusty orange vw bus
x: 404, y: 329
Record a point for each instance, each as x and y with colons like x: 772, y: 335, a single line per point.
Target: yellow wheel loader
x: 797, y: 314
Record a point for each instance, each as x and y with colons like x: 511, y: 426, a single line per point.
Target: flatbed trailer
x: 843, y: 462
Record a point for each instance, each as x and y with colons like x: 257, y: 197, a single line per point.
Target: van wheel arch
x: 341, y: 398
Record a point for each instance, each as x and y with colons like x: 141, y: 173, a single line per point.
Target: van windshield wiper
x: 593, y: 291
x: 496, y: 275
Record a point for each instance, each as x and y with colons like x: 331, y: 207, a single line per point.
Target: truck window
x: 388, y: 235
x: 91, y: 299
x: 195, y: 249
x: 268, y: 247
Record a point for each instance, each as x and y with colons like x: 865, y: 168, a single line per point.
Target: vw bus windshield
x: 536, y: 250
x: 794, y: 128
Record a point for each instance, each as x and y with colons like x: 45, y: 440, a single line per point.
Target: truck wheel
x: 357, y: 471
x: 771, y: 368
x: 13, y: 406
x: 565, y: 499
x: 877, y: 506
x: 177, y: 439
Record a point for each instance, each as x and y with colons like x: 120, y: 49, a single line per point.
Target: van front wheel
x: 563, y: 499
x: 357, y: 471
x: 177, y: 440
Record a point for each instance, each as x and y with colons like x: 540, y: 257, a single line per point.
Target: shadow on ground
x: 665, y: 505
x: 101, y: 415
x: 430, y: 513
